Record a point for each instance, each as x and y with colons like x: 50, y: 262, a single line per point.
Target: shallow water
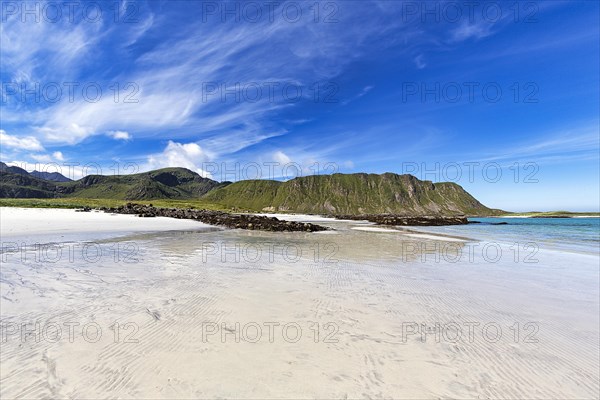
x: 567, y: 234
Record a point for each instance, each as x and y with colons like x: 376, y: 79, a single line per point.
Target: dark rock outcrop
x: 403, y: 220
x: 239, y: 221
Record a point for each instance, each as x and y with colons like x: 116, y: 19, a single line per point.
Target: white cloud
x: 119, y: 135
x: 28, y: 143
x: 281, y: 158
x: 48, y: 158
x: 43, y: 158
x: 419, y: 61
x: 170, y: 76
x: 171, y: 73
x: 58, y: 156
x: 185, y: 155
x: 70, y: 123
x: 467, y: 30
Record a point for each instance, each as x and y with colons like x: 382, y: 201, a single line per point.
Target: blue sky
x: 444, y: 90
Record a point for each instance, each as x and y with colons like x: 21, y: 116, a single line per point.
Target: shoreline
x: 69, y: 223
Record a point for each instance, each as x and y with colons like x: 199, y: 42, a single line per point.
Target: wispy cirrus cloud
x: 471, y: 30
x: 172, y: 75
x: 563, y: 145
x: 363, y: 92
x: 193, y: 83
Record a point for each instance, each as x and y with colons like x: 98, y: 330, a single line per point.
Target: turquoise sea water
x: 566, y: 234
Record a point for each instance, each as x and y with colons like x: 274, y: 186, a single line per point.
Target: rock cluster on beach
x: 394, y: 219
x: 240, y: 221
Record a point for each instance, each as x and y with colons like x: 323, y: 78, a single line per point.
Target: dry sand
x: 55, y: 224
x: 243, y: 314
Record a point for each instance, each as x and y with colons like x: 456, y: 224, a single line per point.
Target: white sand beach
x: 163, y: 308
x: 22, y: 222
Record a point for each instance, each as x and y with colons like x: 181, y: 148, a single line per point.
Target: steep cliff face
x: 351, y: 194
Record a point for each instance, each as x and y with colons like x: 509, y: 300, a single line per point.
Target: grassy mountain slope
x: 50, y: 176
x: 323, y: 194
x: 18, y: 185
x: 351, y: 194
x: 168, y: 183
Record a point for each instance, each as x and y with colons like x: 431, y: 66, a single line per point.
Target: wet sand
x: 205, y: 313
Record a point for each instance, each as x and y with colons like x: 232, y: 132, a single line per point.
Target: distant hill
x: 351, y: 194
x: 168, y: 183
x: 14, y: 170
x: 19, y: 185
x: 322, y: 194
x: 50, y: 176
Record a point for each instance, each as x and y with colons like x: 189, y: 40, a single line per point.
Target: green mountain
x: 351, y: 194
x: 13, y: 170
x: 19, y: 185
x: 167, y: 183
x: 48, y: 176
x: 322, y: 194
